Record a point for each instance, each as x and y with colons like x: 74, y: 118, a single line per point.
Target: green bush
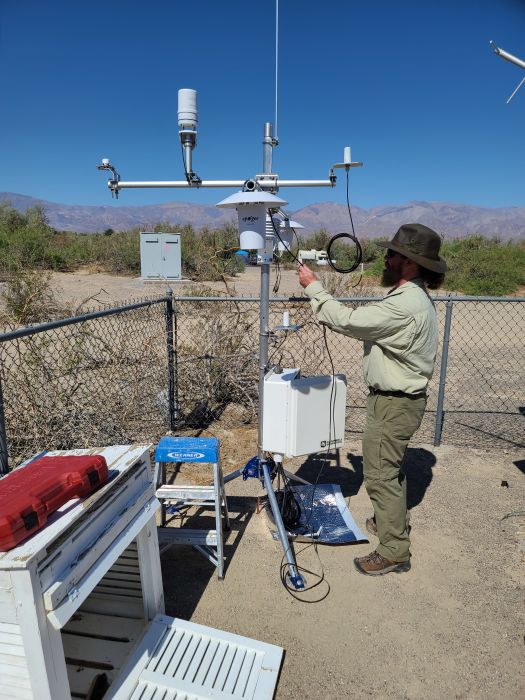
x: 477, y: 265
x: 482, y: 266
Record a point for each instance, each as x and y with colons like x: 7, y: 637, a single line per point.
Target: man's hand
x: 306, y: 276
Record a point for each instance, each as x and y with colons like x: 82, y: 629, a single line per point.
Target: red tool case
x: 28, y: 495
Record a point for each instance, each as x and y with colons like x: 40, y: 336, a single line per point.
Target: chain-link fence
x: 99, y: 379
x: 130, y: 373
x: 476, y: 397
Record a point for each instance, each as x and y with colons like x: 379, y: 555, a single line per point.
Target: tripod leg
x: 296, y: 579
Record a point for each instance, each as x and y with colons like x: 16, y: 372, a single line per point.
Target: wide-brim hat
x: 420, y: 244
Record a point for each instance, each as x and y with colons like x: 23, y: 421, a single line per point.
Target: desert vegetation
x: 478, y: 265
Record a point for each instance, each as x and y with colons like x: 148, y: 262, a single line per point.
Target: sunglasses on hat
x: 392, y: 253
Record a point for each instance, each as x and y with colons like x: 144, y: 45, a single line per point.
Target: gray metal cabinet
x: 160, y: 256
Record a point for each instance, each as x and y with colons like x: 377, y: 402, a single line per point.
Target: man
x: 400, y: 335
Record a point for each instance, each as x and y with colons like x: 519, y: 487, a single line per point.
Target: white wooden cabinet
x: 82, y: 599
x: 77, y: 595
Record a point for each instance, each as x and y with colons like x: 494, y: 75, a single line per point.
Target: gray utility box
x: 160, y: 256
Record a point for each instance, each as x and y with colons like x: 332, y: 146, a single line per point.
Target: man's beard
x: 389, y: 277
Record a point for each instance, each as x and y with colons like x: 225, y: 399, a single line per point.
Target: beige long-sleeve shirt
x: 400, y: 334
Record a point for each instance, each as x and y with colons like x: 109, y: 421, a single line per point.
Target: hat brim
x: 438, y: 265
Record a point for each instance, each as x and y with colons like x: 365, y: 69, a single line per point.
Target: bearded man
x: 400, y: 337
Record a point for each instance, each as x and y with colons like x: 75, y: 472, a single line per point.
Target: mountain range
x: 449, y: 219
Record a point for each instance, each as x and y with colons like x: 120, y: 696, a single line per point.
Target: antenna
x: 276, y: 70
x: 512, y: 59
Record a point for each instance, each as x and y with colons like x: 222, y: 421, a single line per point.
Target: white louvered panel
x: 193, y: 662
x: 144, y: 691
x: 243, y: 661
x: 179, y: 663
x: 7, y: 600
x: 177, y: 642
x: 113, y: 588
x: 14, y: 685
x: 207, y: 660
x: 219, y: 681
x: 94, y: 644
x: 119, y: 606
x: 17, y: 694
x: 14, y: 673
x: 123, y: 578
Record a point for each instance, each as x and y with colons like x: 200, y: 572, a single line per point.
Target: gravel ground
x: 452, y: 627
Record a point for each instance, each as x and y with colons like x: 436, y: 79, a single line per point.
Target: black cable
x: 277, y: 282
x: 188, y: 178
x: 321, y: 577
x: 348, y: 199
x: 358, y: 249
x: 285, y: 244
x: 288, y: 504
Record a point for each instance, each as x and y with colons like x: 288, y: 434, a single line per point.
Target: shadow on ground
x: 330, y: 468
x: 520, y: 464
x: 186, y: 573
x: 418, y: 465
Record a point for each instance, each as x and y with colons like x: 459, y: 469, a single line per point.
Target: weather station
x: 297, y: 415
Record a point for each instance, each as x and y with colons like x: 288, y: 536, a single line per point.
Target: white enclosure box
x: 303, y: 415
x: 160, y: 256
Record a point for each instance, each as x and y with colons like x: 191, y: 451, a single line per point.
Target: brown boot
x: 376, y: 565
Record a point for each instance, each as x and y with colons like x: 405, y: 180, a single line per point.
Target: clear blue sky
x: 412, y: 86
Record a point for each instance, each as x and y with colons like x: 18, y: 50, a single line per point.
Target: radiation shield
x: 252, y: 226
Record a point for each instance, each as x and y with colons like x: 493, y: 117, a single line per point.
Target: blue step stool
x: 210, y: 543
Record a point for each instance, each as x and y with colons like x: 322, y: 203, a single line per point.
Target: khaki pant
x: 390, y: 423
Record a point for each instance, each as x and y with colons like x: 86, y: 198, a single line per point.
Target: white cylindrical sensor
x: 187, y: 114
x: 286, y: 318
x: 286, y: 240
x: 252, y: 226
x: 347, y: 159
x: 105, y: 161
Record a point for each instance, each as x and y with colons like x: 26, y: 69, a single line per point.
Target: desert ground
x: 99, y: 286
x: 451, y: 627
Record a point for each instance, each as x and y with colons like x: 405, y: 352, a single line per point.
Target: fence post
x: 443, y: 374
x: 4, y: 453
x: 176, y: 412
x: 172, y: 407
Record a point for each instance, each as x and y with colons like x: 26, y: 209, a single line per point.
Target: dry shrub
x: 28, y: 298
x: 85, y: 385
x: 217, y: 361
x: 348, y: 285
